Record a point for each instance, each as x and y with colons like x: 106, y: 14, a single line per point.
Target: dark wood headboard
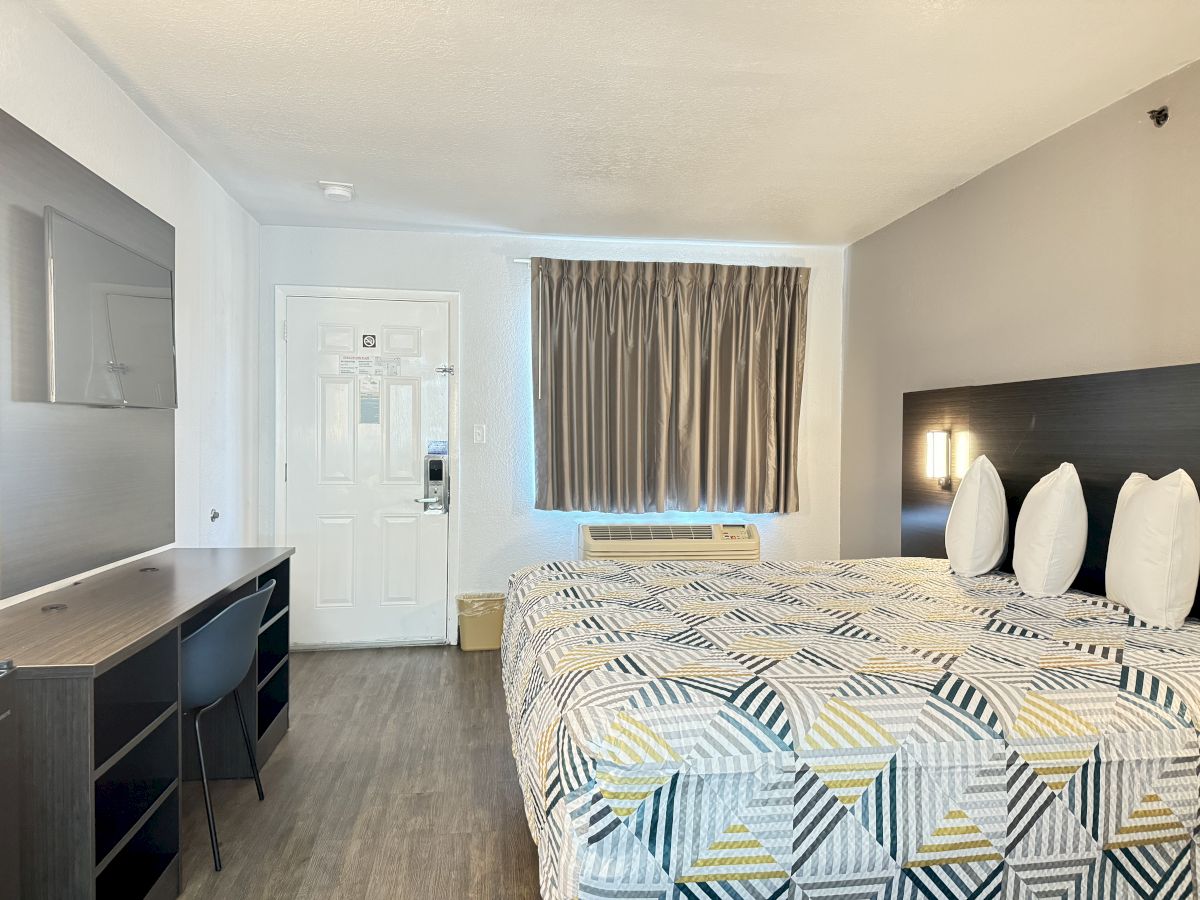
x: 1145, y: 420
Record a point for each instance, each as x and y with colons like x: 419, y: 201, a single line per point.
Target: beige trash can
x: 480, y: 621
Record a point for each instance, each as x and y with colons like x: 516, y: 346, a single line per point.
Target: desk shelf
x: 135, y: 716
x: 132, y: 697
x: 270, y: 620
x: 130, y: 716
x: 147, y: 865
x: 280, y: 574
x: 273, y: 686
x: 126, y: 791
x: 272, y: 698
x: 272, y: 648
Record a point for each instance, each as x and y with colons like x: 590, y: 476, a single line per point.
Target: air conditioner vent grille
x: 651, y: 532
x: 647, y: 542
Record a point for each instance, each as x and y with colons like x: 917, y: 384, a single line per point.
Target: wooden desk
x: 98, y: 701
x: 10, y: 835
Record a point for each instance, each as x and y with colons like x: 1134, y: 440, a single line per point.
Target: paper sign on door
x: 368, y: 400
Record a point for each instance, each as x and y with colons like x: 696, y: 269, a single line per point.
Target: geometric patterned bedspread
x: 873, y: 728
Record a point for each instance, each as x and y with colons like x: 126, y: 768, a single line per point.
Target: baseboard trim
x: 366, y: 645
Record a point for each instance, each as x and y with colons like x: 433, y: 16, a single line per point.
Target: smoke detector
x: 338, y: 191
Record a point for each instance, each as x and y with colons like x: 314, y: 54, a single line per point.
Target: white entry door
x: 366, y: 408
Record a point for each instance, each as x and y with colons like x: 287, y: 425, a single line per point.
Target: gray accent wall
x: 79, y: 486
x: 1081, y: 254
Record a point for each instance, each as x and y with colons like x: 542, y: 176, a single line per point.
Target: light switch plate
x: 479, y: 434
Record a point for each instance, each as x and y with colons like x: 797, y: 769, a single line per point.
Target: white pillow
x: 977, y: 530
x: 1051, y: 534
x: 1154, y: 551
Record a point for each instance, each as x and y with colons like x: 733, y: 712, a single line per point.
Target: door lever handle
x: 429, y: 500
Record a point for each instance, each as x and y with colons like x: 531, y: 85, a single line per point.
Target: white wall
x: 1077, y: 255
x: 51, y: 86
x: 500, y: 531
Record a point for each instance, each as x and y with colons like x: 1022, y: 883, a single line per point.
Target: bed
x: 870, y: 728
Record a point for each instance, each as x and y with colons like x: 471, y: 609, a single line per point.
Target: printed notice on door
x: 368, y: 400
x: 357, y: 364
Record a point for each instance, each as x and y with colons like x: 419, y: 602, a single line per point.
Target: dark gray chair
x: 214, y: 660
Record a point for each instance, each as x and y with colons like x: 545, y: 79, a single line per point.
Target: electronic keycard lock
x: 437, y: 484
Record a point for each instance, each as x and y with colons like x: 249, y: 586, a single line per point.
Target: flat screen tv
x: 111, y: 320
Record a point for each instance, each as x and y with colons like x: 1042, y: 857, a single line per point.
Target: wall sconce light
x: 937, y: 457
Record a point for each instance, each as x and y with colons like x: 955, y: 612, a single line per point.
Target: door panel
x: 365, y: 405
x: 401, y: 559
x: 335, y: 556
x: 402, y: 421
x: 336, y: 433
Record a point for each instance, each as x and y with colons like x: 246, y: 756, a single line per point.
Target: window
x: 667, y: 385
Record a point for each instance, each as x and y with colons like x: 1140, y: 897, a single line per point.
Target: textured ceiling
x: 807, y: 122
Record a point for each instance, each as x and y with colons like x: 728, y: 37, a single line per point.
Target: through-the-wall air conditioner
x: 663, y: 541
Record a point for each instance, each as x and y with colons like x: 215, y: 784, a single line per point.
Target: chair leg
x: 208, y: 808
x: 250, y: 749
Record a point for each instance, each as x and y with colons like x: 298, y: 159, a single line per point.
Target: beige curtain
x: 667, y: 385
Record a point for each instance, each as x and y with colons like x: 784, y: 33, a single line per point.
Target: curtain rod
x: 521, y: 262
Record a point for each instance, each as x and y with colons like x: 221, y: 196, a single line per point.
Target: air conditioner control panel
x: 738, y: 533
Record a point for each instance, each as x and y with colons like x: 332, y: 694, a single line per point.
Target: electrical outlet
x: 479, y: 434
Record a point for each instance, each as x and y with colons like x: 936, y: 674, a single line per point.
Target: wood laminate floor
x: 396, y: 780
